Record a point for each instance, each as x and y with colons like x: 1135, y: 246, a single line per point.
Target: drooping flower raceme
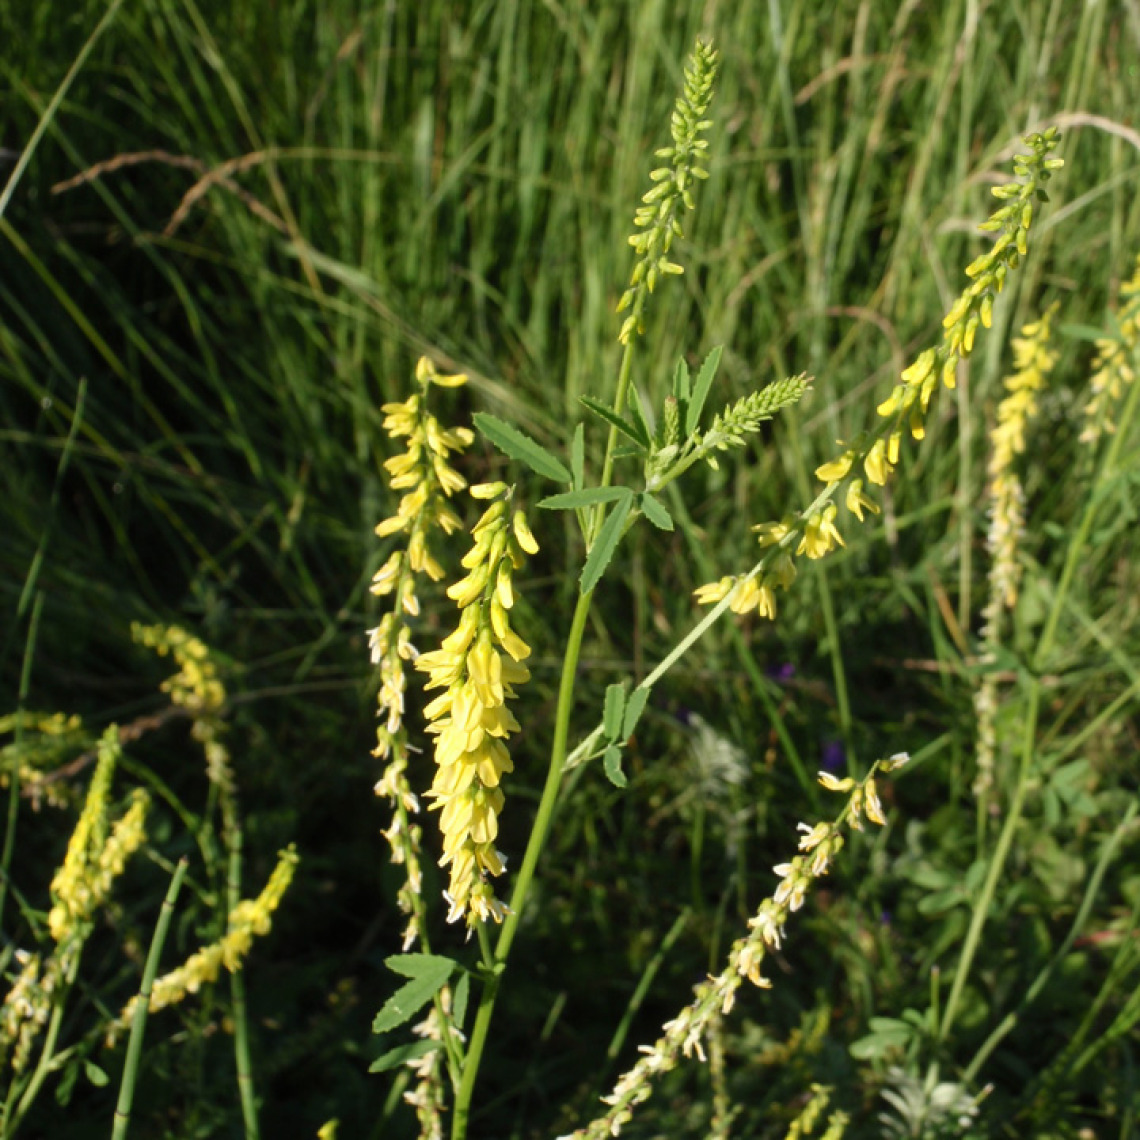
x: 877, y: 452
x: 684, y: 1034
x: 478, y: 667
x: 425, y: 476
x: 1113, y: 370
x: 1034, y: 360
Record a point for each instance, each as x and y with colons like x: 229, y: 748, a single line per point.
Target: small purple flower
x: 781, y: 673
x: 833, y: 757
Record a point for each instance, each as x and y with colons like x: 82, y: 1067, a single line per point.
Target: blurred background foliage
x: 242, y: 227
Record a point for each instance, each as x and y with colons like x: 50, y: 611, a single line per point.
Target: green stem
x: 237, y: 982
x: 526, y: 871
x: 625, y: 370
x: 47, y: 1054
x: 138, y: 1025
x: 1040, y: 657
x: 1080, y: 539
x: 1010, y: 1021
x: 14, y: 772
x: 549, y: 792
x: 48, y: 116
x: 997, y: 864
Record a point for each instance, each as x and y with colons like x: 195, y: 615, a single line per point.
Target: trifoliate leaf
x: 409, y: 999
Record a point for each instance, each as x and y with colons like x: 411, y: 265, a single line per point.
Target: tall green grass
x: 386, y: 180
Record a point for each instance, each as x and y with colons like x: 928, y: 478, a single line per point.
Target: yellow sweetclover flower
x: 424, y: 474
x: 251, y: 918
x: 478, y: 666
x: 820, y: 534
x: 97, y: 852
x: 837, y: 469
x: 196, y: 687
x: 857, y: 502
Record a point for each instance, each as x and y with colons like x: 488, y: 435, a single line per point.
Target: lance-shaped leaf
x: 654, y: 510
x: 634, y: 707
x: 607, y: 542
x: 701, y: 390
x: 632, y: 431
x: 614, y: 709
x: 586, y: 497
x: 518, y: 445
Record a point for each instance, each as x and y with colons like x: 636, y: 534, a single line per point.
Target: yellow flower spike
x: 478, y: 664
x: 422, y: 471
x: 836, y: 469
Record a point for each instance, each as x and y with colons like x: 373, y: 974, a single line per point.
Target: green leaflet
x: 403, y: 1055
x: 607, y: 542
x: 518, y: 445
x: 429, y: 975
x: 614, y: 709
x: 586, y: 497
x: 632, y: 431
x: 612, y: 764
x: 701, y: 390
x: 634, y: 707
x: 654, y: 510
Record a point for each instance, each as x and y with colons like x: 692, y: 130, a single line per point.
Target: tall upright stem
x: 549, y: 792
x: 526, y: 871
